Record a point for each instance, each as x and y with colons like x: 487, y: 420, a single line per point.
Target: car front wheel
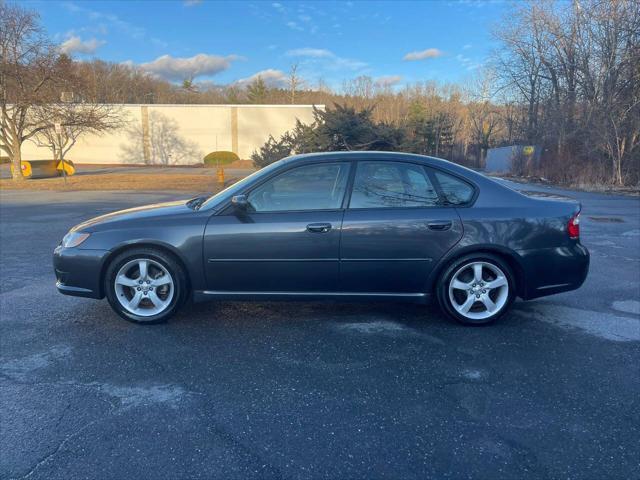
x: 476, y: 289
x: 145, y: 285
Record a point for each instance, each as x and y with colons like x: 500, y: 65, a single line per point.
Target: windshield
x: 231, y: 190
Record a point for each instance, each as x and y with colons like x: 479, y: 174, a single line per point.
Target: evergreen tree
x: 272, y: 151
x: 336, y: 129
x: 257, y: 91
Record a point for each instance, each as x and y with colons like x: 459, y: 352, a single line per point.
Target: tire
x: 156, y: 296
x: 470, y: 301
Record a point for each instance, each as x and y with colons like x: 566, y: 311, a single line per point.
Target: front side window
x: 392, y: 184
x: 455, y: 191
x: 311, y: 187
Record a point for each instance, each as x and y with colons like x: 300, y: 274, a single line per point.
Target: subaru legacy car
x: 340, y: 225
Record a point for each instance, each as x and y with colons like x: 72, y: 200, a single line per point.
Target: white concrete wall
x: 195, y: 126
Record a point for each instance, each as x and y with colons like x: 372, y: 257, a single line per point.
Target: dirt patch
x: 92, y: 166
x: 242, y: 164
x: 585, y: 187
x: 121, y: 181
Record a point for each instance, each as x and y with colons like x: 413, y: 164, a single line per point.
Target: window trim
x: 474, y: 187
x: 425, y: 167
x: 227, y: 208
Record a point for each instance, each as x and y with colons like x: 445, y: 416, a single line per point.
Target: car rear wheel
x: 145, y: 285
x: 476, y: 289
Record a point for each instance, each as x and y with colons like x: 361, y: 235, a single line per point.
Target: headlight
x: 73, y: 239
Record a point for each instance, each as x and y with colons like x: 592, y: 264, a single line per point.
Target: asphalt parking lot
x: 315, y: 390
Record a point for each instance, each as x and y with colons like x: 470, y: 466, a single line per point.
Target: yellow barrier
x: 45, y: 168
x: 68, y: 168
x: 26, y: 169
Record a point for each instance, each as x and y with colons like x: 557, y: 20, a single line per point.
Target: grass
x: 120, y: 181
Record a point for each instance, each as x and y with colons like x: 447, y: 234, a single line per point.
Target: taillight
x: 573, y: 227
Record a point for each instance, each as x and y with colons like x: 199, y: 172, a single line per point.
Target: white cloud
x: 298, y: 18
x: 101, y: 20
x: 271, y: 77
x: 468, y: 63
x: 340, y: 63
x: 326, y: 58
x: 75, y: 44
x: 191, y: 3
x: 423, y: 54
x: 175, y: 68
x: 294, y: 26
x: 387, y: 80
x: 310, y: 52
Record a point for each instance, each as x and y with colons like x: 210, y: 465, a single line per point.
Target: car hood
x: 135, y: 214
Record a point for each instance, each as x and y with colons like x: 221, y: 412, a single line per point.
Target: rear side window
x: 392, y: 184
x: 455, y: 191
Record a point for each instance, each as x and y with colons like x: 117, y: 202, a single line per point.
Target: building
x: 513, y: 159
x: 182, y: 134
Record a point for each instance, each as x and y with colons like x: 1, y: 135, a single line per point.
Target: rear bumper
x: 554, y: 270
x: 78, y: 271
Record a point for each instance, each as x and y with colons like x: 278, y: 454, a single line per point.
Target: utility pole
x: 58, y: 129
x: 65, y: 97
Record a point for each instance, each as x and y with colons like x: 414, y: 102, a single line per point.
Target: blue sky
x: 224, y: 42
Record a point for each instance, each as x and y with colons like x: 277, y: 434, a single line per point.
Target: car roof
x: 354, y: 155
x: 381, y: 155
x: 489, y: 188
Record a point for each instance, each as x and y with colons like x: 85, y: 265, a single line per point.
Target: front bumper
x: 78, y: 271
x: 554, y: 270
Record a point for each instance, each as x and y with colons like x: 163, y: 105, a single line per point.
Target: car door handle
x: 319, y: 227
x: 439, y: 225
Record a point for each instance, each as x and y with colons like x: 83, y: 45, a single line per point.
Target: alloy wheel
x: 478, y: 290
x: 144, y: 287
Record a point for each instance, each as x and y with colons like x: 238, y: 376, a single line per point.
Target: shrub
x: 220, y: 158
x: 339, y: 128
x: 272, y: 151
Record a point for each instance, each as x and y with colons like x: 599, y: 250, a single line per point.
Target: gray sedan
x: 341, y: 225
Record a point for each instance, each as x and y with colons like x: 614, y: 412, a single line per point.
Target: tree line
x: 568, y: 78
x: 37, y: 89
x: 565, y: 78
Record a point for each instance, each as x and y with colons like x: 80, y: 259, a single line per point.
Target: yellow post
x: 220, y: 174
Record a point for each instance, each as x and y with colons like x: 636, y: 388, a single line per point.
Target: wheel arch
x: 510, y: 257
x: 163, y: 247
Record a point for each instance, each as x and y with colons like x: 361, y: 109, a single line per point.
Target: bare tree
x: 294, y: 82
x: 484, y: 117
x: 76, y: 120
x: 573, y: 67
x: 28, y: 70
x: 360, y: 90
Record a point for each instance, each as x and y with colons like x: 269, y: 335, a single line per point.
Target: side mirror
x: 240, y: 202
